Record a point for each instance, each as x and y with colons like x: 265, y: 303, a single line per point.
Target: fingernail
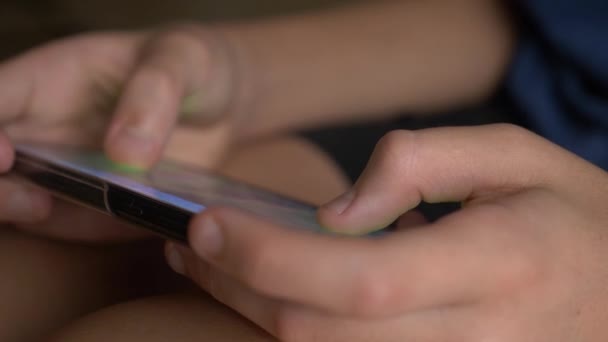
x: 340, y: 204
x: 210, y: 239
x: 175, y: 259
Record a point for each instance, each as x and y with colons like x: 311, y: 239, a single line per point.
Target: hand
x: 523, y: 260
x: 126, y: 89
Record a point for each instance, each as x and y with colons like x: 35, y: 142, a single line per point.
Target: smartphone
x: 162, y: 199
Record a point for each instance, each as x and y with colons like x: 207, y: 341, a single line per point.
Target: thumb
x: 173, y: 73
x: 438, y: 165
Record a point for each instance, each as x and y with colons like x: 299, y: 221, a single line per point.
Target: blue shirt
x: 559, y: 75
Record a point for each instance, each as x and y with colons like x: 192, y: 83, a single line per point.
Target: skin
x: 523, y: 260
x: 184, y: 317
x: 236, y: 86
x: 505, y: 274
x: 53, y: 283
x: 49, y: 283
x: 65, y: 92
x: 369, y: 60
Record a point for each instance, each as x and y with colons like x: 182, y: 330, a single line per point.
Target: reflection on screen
x: 182, y: 186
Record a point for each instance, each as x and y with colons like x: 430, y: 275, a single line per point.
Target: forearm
x: 370, y: 59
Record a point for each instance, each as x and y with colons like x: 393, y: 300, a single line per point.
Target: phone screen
x: 182, y: 186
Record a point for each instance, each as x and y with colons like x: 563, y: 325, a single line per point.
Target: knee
x: 46, y: 284
x: 184, y: 317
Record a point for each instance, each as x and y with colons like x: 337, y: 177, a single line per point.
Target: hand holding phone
x: 162, y: 199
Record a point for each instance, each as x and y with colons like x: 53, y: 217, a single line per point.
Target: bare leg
x: 178, y: 317
x: 45, y: 284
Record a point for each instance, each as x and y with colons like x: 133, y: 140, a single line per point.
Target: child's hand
x: 123, y: 91
x: 523, y: 260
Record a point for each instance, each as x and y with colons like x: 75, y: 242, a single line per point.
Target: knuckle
x: 399, y: 146
x: 393, y: 143
x: 399, y: 155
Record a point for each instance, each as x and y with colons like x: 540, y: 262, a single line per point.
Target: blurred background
x: 27, y: 23
x: 24, y: 23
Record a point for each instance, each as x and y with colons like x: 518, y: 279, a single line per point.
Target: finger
x: 293, y: 322
x: 407, y: 270
x: 173, y: 66
x: 255, y: 307
x: 21, y: 203
x: 439, y: 165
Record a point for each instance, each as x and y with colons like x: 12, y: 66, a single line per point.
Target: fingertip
x: 350, y: 223
x: 337, y: 215
x: 195, y: 223
x: 129, y: 156
x: 334, y: 215
x: 342, y: 203
x: 205, y: 234
x: 133, y: 142
x: 329, y: 219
